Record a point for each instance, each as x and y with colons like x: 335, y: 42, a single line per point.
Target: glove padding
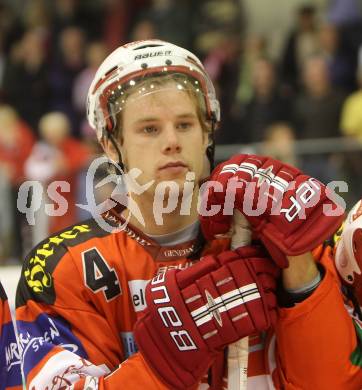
x: 193, y: 314
x: 286, y: 208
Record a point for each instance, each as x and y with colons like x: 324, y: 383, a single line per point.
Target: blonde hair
x: 157, y: 82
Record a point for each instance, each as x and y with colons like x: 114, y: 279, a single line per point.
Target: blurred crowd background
x: 288, y: 75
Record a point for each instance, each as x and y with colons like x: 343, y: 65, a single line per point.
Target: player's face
x: 162, y: 136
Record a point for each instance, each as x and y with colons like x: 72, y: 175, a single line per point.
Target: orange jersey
x: 78, y: 300
x: 317, y: 339
x: 10, y: 373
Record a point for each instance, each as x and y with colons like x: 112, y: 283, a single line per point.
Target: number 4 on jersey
x: 98, y: 275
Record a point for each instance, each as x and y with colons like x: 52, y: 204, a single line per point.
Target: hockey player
x: 348, y: 256
x: 85, y: 291
x: 10, y: 373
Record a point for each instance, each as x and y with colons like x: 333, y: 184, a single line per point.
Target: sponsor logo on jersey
x: 137, y: 289
x: 10, y: 357
x: 36, y: 275
x: 164, y: 267
x: 37, y: 338
x: 129, y: 344
x: 178, y: 252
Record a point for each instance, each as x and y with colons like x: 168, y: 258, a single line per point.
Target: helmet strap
x: 210, y: 150
x: 119, y: 167
x: 200, y: 241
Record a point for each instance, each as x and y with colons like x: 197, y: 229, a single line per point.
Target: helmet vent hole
x: 144, y: 65
x: 145, y: 46
x: 110, y: 71
x: 168, y: 62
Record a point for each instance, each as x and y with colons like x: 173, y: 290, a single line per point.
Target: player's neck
x: 157, y: 221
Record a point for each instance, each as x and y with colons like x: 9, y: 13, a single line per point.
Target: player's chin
x: 171, y: 181
x: 177, y: 175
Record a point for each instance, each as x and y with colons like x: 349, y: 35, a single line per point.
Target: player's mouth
x: 173, y: 167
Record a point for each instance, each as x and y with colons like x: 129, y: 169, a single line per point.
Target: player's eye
x: 150, y: 129
x: 185, y: 125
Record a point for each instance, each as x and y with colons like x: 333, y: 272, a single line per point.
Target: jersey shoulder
x: 36, y: 280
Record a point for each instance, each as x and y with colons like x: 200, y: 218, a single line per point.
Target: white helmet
x: 124, y: 66
x: 348, y: 255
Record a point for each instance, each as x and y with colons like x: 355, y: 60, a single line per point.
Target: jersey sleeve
x: 316, y: 340
x: 64, y: 336
x: 10, y: 372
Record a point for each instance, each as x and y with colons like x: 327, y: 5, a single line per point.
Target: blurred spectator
x: 170, y: 18
x: 347, y: 16
x: 344, y: 12
x: 340, y: 65
x: 213, y: 20
x: 36, y: 14
x: 16, y: 142
x: 87, y: 15
x: 96, y: 52
x: 64, y: 70
x: 268, y: 105
x: 57, y: 157
x: 116, y: 23
x: 11, y: 30
x: 222, y: 64
x: 351, y: 119
x: 318, y: 108
x: 119, y: 18
x: 101, y: 193
x: 351, y: 126
x: 254, y: 48
x: 26, y: 77
x: 317, y: 115
x: 144, y: 29
x: 65, y: 14
x: 279, y: 143
x: 11, y: 27
x: 301, y: 44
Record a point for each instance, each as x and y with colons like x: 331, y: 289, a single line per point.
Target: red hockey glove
x: 193, y: 314
x: 290, y: 212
